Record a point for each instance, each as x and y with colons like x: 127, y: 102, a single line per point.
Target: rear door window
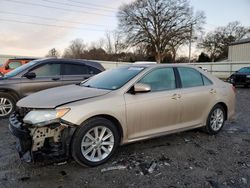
x: 74, y: 69
x: 93, y: 70
x: 206, y: 81
x: 190, y: 77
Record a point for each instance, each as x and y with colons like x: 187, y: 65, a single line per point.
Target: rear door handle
x: 55, y: 79
x: 176, y: 96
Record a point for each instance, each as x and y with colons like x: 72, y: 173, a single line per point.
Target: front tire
x: 7, y: 105
x: 215, y: 120
x: 94, y: 142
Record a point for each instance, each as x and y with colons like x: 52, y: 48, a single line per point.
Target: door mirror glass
x: 30, y: 75
x: 142, y: 88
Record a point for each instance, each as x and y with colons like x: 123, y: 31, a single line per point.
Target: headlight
x: 248, y: 76
x: 43, y: 117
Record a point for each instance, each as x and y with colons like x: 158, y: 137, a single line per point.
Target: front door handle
x: 212, y: 91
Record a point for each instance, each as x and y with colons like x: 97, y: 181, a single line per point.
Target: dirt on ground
x: 187, y: 159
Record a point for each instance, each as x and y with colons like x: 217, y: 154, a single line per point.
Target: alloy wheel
x: 217, y: 119
x: 97, y: 143
x: 6, y: 106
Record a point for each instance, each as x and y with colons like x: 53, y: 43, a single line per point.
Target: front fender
x: 99, y: 106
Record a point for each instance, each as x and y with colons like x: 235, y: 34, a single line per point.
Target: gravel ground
x: 188, y: 159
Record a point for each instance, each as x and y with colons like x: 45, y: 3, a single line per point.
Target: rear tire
x: 94, y: 142
x: 7, y: 105
x: 215, y: 120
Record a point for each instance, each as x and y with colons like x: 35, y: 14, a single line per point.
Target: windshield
x: 113, y: 79
x: 20, y: 69
x: 245, y: 70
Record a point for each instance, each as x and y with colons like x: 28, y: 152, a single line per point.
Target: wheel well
x: 12, y: 93
x: 113, y: 120
x: 224, y: 107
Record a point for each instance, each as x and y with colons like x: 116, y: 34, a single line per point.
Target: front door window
x: 160, y: 79
x: 47, y: 70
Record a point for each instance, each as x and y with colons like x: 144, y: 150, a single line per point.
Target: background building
x: 239, y: 50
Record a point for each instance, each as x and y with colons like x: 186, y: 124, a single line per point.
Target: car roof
x: 22, y: 59
x: 144, y: 62
x: 148, y: 65
x: 79, y: 61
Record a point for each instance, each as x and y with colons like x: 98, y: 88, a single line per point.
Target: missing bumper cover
x: 35, y: 144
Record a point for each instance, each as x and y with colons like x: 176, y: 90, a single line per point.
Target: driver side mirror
x: 30, y: 75
x: 7, y: 67
x: 141, y: 88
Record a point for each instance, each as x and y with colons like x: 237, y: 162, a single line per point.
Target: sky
x: 32, y: 28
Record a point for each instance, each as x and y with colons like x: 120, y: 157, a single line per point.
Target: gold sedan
x: 122, y: 105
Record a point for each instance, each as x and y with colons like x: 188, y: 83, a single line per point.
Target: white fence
x: 219, y: 69
x: 223, y: 69
x: 112, y: 64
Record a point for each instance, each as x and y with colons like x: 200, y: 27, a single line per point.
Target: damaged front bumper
x: 50, y: 142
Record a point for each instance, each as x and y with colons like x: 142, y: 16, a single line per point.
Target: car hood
x: 52, y: 98
x: 237, y: 74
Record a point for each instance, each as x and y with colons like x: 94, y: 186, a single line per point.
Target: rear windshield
x: 113, y: 79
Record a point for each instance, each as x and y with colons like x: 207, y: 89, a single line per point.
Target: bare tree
x: 97, y: 44
x: 75, y: 50
x: 113, y: 43
x: 53, y: 53
x: 175, y: 43
x: 118, y: 42
x: 216, y: 42
x: 157, y: 22
x: 109, y: 43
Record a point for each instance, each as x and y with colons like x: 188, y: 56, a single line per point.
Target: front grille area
x: 240, y: 78
x: 22, y: 112
x: 24, y: 140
